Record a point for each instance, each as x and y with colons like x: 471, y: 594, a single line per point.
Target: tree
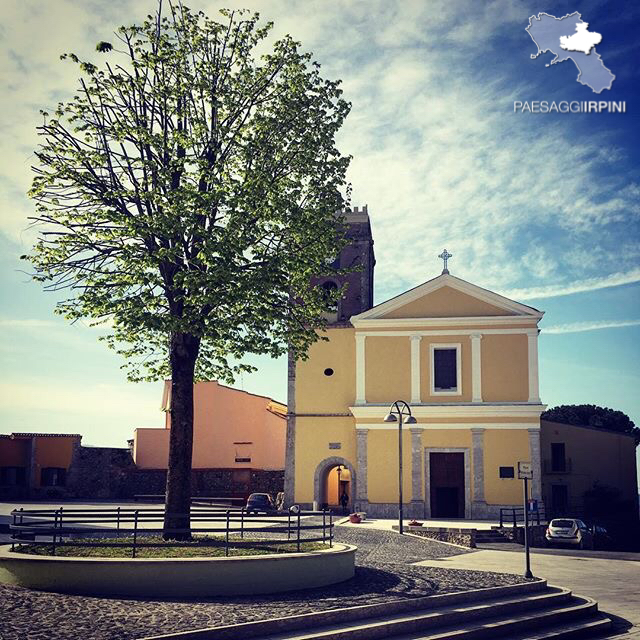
x: 591, y: 415
x: 187, y: 194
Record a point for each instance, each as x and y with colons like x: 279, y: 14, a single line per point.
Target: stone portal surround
x: 427, y: 477
x: 320, y: 477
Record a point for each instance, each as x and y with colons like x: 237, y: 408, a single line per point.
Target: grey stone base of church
x: 414, y: 509
x: 418, y: 509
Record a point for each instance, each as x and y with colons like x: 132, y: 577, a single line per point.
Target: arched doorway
x: 334, y: 477
x: 338, y: 483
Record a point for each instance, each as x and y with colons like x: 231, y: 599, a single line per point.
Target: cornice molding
x: 455, y: 410
x: 480, y: 427
x: 362, y: 332
x: 475, y: 321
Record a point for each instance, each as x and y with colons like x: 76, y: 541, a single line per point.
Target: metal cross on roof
x: 445, y: 255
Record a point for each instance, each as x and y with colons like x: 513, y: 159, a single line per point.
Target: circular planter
x: 178, y: 577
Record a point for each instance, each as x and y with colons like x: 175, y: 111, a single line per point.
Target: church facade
x: 466, y: 361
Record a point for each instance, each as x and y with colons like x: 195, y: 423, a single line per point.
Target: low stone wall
x: 463, y: 537
x: 389, y: 509
x: 181, y: 577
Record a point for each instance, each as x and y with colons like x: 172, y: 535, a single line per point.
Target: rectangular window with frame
x: 558, y: 459
x: 506, y: 472
x: 446, y: 370
x: 13, y: 476
x: 53, y: 477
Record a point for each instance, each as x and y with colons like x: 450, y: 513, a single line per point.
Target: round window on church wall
x: 328, y: 372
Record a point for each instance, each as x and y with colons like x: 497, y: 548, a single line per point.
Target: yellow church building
x: 466, y: 361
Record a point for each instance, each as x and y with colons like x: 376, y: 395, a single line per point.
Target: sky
x: 543, y: 208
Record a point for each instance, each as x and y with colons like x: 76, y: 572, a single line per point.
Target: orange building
x: 232, y: 430
x: 34, y: 463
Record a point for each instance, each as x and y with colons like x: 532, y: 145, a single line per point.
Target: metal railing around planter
x: 108, y: 525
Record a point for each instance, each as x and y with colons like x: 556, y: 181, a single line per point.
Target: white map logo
x: 569, y: 38
x: 582, y: 40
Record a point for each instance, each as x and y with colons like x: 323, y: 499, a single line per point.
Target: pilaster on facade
x: 361, y: 464
x: 534, y: 452
x: 476, y: 367
x: 415, y: 369
x: 534, y: 392
x: 361, y: 395
x: 416, y: 465
x: 477, y: 439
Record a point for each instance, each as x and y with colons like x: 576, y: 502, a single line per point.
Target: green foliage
x: 190, y: 187
x: 591, y: 415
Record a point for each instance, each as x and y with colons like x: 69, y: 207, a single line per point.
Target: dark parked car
x: 601, y: 537
x: 258, y: 502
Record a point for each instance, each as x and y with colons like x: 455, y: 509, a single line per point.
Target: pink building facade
x: 232, y: 430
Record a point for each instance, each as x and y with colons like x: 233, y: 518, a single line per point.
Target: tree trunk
x: 183, y: 353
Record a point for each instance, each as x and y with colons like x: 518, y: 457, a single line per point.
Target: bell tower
x: 358, y: 253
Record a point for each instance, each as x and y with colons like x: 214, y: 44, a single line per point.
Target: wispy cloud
x: 590, y: 284
x: 577, y: 327
x: 438, y: 155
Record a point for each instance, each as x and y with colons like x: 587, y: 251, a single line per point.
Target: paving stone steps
x: 495, y: 618
x: 497, y: 612
x: 490, y: 535
x: 527, y: 625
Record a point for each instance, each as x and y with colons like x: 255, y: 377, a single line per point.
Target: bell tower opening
x: 358, y: 296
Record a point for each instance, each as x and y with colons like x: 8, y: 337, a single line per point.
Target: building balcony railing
x: 562, y: 465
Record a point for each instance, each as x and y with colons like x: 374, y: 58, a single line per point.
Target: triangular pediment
x: 447, y: 297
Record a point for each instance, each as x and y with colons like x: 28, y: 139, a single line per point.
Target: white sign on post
x: 525, y: 471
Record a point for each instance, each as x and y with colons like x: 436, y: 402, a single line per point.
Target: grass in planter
x: 197, y: 547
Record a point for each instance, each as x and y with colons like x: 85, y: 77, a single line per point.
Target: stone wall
x: 110, y: 473
x: 99, y: 472
x: 208, y: 482
x: 267, y: 481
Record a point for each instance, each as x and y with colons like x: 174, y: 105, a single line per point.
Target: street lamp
x: 400, y: 412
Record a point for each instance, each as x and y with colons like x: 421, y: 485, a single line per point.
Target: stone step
x: 322, y: 619
x: 577, y: 619
x: 528, y: 611
x: 586, y: 628
x: 491, y: 538
x: 455, y: 618
x: 492, y: 534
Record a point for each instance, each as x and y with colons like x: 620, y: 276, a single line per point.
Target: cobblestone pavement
x: 383, y: 573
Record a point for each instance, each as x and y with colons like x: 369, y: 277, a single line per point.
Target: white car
x: 569, y: 531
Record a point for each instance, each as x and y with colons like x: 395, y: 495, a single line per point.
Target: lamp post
x: 400, y: 412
